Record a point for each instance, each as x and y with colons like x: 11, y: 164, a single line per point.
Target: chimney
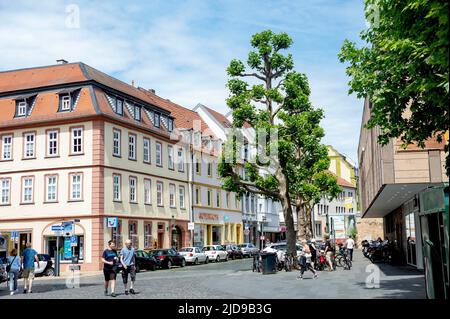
x: 132, y: 82
x: 61, y: 61
x: 152, y: 90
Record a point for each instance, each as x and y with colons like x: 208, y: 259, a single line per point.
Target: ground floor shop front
x: 85, y: 237
x: 217, y: 228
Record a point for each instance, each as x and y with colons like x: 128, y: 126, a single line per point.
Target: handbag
x: 8, y: 266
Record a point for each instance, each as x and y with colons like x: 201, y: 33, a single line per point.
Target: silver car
x: 248, y: 249
x: 194, y: 255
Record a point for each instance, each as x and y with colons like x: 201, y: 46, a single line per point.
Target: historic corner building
x: 216, y: 213
x: 394, y: 185
x: 78, y: 145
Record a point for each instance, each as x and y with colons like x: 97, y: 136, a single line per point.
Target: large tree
x: 403, y: 69
x: 298, y: 172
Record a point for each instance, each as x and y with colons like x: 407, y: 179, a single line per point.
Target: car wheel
x: 217, y: 259
x: 233, y: 257
x: 169, y: 264
x: 153, y: 268
x: 196, y: 261
x: 183, y: 263
x: 206, y: 260
x: 50, y: 272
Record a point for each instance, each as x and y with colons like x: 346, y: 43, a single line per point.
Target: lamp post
x: 172, y: 228
x: 262, y: 231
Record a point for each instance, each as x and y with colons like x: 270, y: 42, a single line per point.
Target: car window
x: 186, y: 249
x: 251, y: 246
x: 197, y: 250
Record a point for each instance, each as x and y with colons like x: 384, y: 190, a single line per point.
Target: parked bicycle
x: 257, y: 263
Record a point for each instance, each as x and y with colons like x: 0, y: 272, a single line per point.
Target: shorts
x: 28, y: 273
x: 110, y: 274
x: 130, y: 270
x: 329, y: 256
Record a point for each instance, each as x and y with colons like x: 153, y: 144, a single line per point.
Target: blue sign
x: 67, y: 248
x: 57, y: 228
x: 14, y: 234
x: 73, y: 241
x: 112, y: 222
x: 68, y: 227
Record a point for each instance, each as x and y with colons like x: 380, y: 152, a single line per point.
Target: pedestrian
x: 13, y: 269
x: 128, y: 261
x: 305, y: 261
x: 350, y: 243
x: 29, y: 257
x: 313, y: 249
x: 329, y: 254
x: 110, y: 260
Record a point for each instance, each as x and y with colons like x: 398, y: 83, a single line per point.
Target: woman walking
x: 13, y: 269
x: 305, y: 261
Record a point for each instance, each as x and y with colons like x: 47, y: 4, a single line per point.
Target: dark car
x: 166, y: 258
x: 3, y: 273
x: 144, y: 261
x: 234, y: 251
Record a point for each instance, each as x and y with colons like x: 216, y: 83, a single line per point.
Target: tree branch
x: 254, y: 75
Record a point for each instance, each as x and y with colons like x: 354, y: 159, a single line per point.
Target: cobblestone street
x: 234, y: 279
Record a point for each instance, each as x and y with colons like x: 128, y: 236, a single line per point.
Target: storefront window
x: 65, y: 250
x: 199, y: 235
x: 217, y: 235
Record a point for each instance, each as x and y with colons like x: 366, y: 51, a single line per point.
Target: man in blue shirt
x: 29, y: 256
x: 127, y: 258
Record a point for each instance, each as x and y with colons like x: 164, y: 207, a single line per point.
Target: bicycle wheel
x: 338, y: 259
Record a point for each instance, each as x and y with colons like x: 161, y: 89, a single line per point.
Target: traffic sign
x: 73, y: 241
x: 112, y: 222
x: 14, y: 235
x: 191, y: 226
x: 57, y: 228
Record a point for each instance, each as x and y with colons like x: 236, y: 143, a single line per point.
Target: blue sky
x: 182, y: 48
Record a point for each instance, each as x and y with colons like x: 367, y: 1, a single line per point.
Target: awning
x: 391, y: 196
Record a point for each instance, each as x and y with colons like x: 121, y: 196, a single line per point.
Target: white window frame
x: 119, y: 109
x: 159, y: 193
x: 51, y: 140
x: 76, y: 187
x: 54, y: 187
x: 146, y: 150
x: 66, y: 102
x: 172, y: 195
x: 7, y: 148
x: 77, y: 141
x: 29, y: 146
x: 27, y: 187
x: 180, y: 159
x: 117, y: 187
x: 159, y: 154
x: 132, y: 147
x: 170, y: 162
x: 137, y: 113
x: 22, y: 108
x: 157, y: 119
x: 133, y: 189
x: 182, y: 196
x: 5, y: 189
x: 117, y: 137
x: 147, y: 191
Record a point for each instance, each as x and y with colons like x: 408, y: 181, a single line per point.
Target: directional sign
x: 57, y: 228
x: 14, y: 235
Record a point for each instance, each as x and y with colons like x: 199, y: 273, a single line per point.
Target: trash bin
x: 269, y: 263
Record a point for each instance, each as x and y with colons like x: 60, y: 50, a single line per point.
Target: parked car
x: 44, y: 268
x: 166, y: 258
x: 248, y: 249
x: 144, y: 261
x: 215, y: 253
x: 234, y: 252
x: 3, y: 273
x: 194, y: 255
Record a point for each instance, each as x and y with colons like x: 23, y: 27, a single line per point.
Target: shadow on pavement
x: 42, y: 288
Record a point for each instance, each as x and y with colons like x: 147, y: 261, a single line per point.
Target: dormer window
x: 65, y: 103
x: 170, y: 125
x: 157, y: 121
x: 119, y: 106
x: 137, y: 112
x: 22, y: 108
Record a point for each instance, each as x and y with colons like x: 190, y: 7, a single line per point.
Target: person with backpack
x: 13, y: 269
x: 305, y: 261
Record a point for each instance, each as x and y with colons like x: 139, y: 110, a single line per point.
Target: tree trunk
x: 300, y: 219
x: 308, y: 222
x: 287, y: 211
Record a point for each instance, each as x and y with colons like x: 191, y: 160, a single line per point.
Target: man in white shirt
x: 350, y: 243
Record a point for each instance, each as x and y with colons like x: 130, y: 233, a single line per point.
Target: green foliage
x: 404, y: 63
x: 280, y: 101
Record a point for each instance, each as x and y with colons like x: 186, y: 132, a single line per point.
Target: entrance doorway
x: 160, y: 235
x: 176, y: 238
x: 411, y: 258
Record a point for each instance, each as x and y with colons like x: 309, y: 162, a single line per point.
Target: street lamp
x: 262, y: 231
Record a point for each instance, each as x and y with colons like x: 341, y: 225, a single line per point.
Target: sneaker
x: 113, y: 294
x: 316, y: 276
x: 24, y: 291
x: 300, y: 278
x: 11, y: 293
x: 30, y: 292
x: 132, y: 292
x: 106, y: 292
x: 126, y: 292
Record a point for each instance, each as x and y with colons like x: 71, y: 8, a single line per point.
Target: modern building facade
x: 390, y: 180
x: 80, y: 146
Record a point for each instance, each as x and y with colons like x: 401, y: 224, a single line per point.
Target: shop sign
x: 348, y: 202
x: 283, y: 229
x: 112, y: 222
x: 67, y: 248
x: 226, y: 217
x: 208, y: 216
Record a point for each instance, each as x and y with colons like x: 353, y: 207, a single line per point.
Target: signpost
x: 191, y: 226
x: 58, y: 230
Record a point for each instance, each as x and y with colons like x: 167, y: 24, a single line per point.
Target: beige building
x: 390, y: 178
x: 78, y: 145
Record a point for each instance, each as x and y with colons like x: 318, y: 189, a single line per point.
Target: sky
x: 181, y: 48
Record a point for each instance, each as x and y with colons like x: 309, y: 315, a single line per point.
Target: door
x: 410, y: 227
